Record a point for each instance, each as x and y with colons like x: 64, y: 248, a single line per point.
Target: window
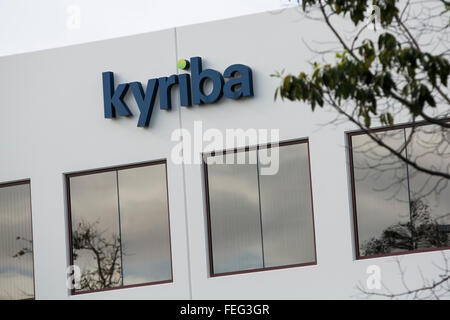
x: 259, y: 221
x: 119, y: 226
x: 16, y: 242
x: 398, y: 209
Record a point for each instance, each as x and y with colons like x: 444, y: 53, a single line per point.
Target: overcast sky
x: 30, y: 25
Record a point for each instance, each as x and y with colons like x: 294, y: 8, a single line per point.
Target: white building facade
x: 53, y: 131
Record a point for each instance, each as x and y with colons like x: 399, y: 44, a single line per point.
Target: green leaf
x: 367, y: 121
x: 287, y: 82
x: 390, y: 119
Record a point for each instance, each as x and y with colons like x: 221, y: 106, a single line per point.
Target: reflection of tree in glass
x: 106, y: 253
x: 26, y: 249
x: 424, y: 229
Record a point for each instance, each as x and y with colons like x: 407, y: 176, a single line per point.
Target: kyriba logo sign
x: 239, y: 84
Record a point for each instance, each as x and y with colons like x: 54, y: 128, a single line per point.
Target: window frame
x: 69, y: 220
x: 350, y: 135
x: 18, y: 183
x: 205, y: 155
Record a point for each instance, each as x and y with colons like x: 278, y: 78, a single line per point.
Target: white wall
x: 52, y: 123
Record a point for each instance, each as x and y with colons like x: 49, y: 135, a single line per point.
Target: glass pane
x: 144, y: 223
x: 381, y: 193
x: 16, y: 255
x: 95, y: 230
x: 234, y: 216
x: 286, y: 209
x: 430, y: 195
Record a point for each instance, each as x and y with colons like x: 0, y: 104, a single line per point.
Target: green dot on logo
x: 183, y: 64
